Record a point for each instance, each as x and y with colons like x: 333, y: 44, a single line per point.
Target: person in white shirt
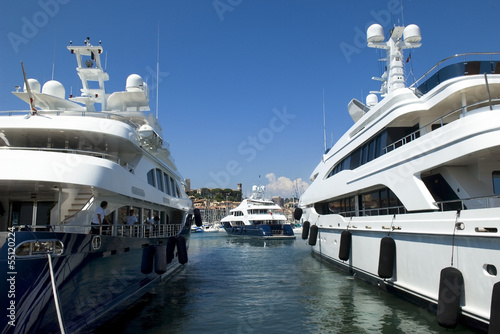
x: 131, y: 219
x: 99, y: 218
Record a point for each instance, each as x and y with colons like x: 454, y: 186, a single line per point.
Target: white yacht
x: 408, y: 198
x: 257, y: 217
x: 63, y: 159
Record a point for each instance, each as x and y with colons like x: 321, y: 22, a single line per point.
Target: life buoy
x: 305, y: 230
x: 495, y: 310
x: 182, y: 255
x: 313, y: 235
x: 297, y: 213
x: 197, y: 217
x: 451, y: 284
x: 148, y: 254
x: 171, y: 242
x: 386, y: 257
x: 345, y: 245
x: 160, y: 259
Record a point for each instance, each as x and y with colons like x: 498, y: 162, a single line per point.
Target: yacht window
x: 151, y: 177
x: 159, y: 180
x: 172, y: 184
x: 167, y: 184
x: 496, y: 182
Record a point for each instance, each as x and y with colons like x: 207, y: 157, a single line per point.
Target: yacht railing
x: 466, y: 57
x: 132, y: 231
x: 95, y: 154
x: 441, y: 121
x: 96, y: 114
x: 481, y: 202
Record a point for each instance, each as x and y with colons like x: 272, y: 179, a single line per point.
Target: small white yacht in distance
x: 408, y: 198
x: 257, y: 217
x: 64, y: 163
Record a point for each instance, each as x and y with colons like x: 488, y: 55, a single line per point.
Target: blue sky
x: 241, y: 81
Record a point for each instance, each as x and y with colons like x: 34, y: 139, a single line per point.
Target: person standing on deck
x: 99, y: 218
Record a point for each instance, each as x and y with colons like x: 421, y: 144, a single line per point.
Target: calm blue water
x: 231, y: 285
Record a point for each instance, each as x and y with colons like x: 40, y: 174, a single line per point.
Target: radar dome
x: 34, y: 85
x: 375, y: 33
x: 371, y: 100
x: 134, y: 83
x: 412, y: 34
x: 146, y: 131
x: 54, y: 88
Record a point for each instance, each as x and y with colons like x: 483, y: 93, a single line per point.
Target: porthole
x: 490, y: 269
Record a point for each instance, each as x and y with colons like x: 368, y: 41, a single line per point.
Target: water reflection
x: 233, y: 285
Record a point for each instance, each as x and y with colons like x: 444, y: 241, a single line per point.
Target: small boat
x: 257, y: 217
x: 211, y: 227
x: 66, y: 162
x: 408, y: 198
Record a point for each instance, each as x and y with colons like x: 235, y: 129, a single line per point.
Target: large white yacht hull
x: 425, y: 244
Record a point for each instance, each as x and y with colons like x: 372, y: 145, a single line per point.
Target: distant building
x: 188, y: 185
x: 278, y: 200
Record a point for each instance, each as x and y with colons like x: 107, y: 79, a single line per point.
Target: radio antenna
x: 324, y: 120
x: 157, y: 68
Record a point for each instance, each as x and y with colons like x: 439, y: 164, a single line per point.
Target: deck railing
x: 132, y: 231
x: 95, y: 154
x: 439, y: 121
x: 482, y: 202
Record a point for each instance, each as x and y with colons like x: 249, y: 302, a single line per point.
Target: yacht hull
x: 96, y: 276
x: 283, y: 232
x: 425, y: 244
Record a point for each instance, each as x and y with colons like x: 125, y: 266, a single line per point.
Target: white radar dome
x: 371, y: 100
x: 375, y: 33
x: 411, y: 34
x: 34, y: 85
x: 134, y: 83
x: 146, y: 131
x: 54, y: 88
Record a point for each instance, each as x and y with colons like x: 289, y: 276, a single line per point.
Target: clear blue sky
x: 241, y: 81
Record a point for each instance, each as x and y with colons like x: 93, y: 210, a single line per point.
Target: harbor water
x: 231, y: 285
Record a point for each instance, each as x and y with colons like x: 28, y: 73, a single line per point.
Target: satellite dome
x: 34, y: 85
x: 371, y: 100
x: 146, y: 131
x: 412, y: 34
x: 375, y: 33
x: 54, y: 88
x: 134, y: 83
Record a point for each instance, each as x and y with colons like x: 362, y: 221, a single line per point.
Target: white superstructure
x: 420, y: 166
x: 66, y: 155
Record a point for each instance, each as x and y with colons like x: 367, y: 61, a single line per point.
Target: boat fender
x: 148, y: 254
x: 495, y: 310
x: 451, y: 284
x: 171, y: 242
x: 182, y: 250
x: 297, y: 213
x: 197, y: 217
x: 386, y: 257
x: 345, y: 245
x: 313, y: 235
x: 305, y: 230
x: 160, y: 259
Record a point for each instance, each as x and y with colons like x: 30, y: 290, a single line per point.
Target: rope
x: 56, y: 296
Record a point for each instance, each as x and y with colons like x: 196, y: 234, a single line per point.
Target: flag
x: 409, y: 57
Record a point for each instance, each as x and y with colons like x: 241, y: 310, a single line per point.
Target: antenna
x: 157, y: 68
x: 402, y: 15
x: 324, y: 120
